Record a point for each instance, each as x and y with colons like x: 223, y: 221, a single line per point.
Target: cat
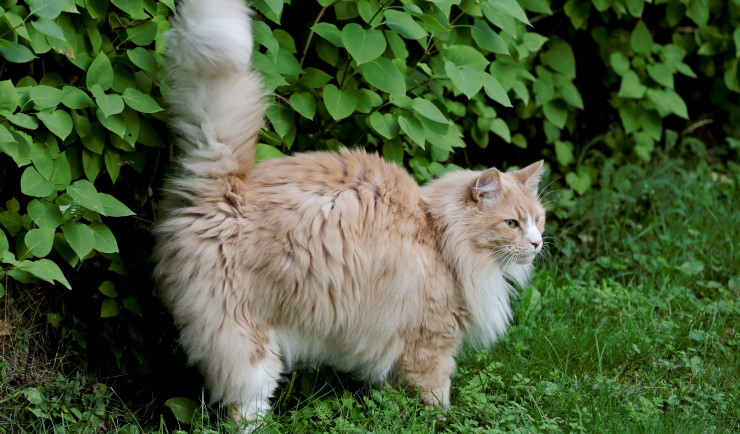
x: 331, y: 257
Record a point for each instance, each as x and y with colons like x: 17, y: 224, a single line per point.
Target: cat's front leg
x: 429, y: 370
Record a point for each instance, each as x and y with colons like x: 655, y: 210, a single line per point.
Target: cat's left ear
x: 531, y: 175
x: 487, y: 187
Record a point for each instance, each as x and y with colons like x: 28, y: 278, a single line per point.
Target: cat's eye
x: 512, y: 223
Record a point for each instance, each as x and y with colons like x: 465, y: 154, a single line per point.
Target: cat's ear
x: 487, y: 186
x: 531, y: 175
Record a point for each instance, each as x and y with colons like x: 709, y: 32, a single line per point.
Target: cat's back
x: 361, y: 192
x: 334, y: 233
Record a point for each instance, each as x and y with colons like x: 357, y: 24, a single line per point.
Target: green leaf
x: 4, y: 245
x: 674, y: 13
x: 44, y: 214
x: 631, y: 86
x: 109, y: 104
x: 58, y: 122
x: 330, y: 32
x: 109, y: 308
x: 427, y: 109
x: 539, y: 6
x: 560, y: 57
x: 564, y: 152
x: 467, y: 80
x: 463, y: 55
x: 267, y: 152
x: 501, y: 129
x: 698, y: 10
x: 46, y: 270
x: 303, y: 103
x: 403, y: 24
x: 139, y: 101
x: 96, y: 8
x: 80, y: 237
x: 384, y: 75
x: 113, y: 123
x: 100, y: 73
x: 619, y: 62
x: 42, y: 159
x: 143, y: 58
x: 76, y: 98
x: 105, y: 242
x: 131, y: 7
x: 39, y: 241
x: 108, y: 289
x: 511, y: 8
x: 635, y: 7
x: 22, y: 120
x: 578, y: 12
x: 132, y: 304
x: 112, y: 207
x: 182, y: 408
x: 393, y: 151
x: 363, y: 45
x: 339, y: 103
x: 669, y: 101
x: 85, y: 194
x: 494, y: 90
x: 45, y: 96
x: 487, y: 39
x: 413, y: 129
x: 15, y: 52
x: 661, y: 73
x: 49, y: 28
x: 533, y: 41
x: 46, y: 8
x: 571, y: 95
x: 142, y: 34
x: 112, y: 161
x: 384, y: 124
x: 33, y: 184
x: 556, y: 113
x: 641, y: 40
x: 580, y: 181
x: 315, y: 78
x: 281, y: 119
x: 8, y: 96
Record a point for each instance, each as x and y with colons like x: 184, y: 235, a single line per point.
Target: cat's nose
x: 536, y: 243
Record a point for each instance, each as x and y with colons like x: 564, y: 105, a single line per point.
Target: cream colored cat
x: 338, y: 258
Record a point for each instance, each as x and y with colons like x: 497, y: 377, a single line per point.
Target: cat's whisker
x: 544, y: 189
x: 547, y: 194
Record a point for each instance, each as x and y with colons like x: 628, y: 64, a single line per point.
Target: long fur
x: 338, y: 258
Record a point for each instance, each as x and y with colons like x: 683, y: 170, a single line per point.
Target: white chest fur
x: 488, y: 292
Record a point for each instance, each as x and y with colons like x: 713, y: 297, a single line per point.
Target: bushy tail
x: 216, y: 102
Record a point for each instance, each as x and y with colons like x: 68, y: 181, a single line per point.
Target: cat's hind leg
x: 241, y: 366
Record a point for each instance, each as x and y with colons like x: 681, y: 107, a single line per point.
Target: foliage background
x: 599, y: 88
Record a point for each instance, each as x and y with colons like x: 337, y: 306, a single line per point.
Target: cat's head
x: 489, y: 216
x: 509, y: 217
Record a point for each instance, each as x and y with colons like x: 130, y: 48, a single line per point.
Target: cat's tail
x: 216, y: 102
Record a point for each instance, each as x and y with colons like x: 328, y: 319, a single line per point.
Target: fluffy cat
x: 337, y: 258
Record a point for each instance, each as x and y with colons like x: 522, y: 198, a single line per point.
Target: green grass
x: 630, y: 325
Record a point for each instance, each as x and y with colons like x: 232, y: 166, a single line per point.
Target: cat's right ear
x: 487, y: 188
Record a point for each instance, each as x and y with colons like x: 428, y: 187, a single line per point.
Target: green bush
x: 594, y: 86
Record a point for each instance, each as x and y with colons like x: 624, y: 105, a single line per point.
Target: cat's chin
x: 526, y: 259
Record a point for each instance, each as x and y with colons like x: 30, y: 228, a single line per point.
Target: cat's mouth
x: 526, y: 258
